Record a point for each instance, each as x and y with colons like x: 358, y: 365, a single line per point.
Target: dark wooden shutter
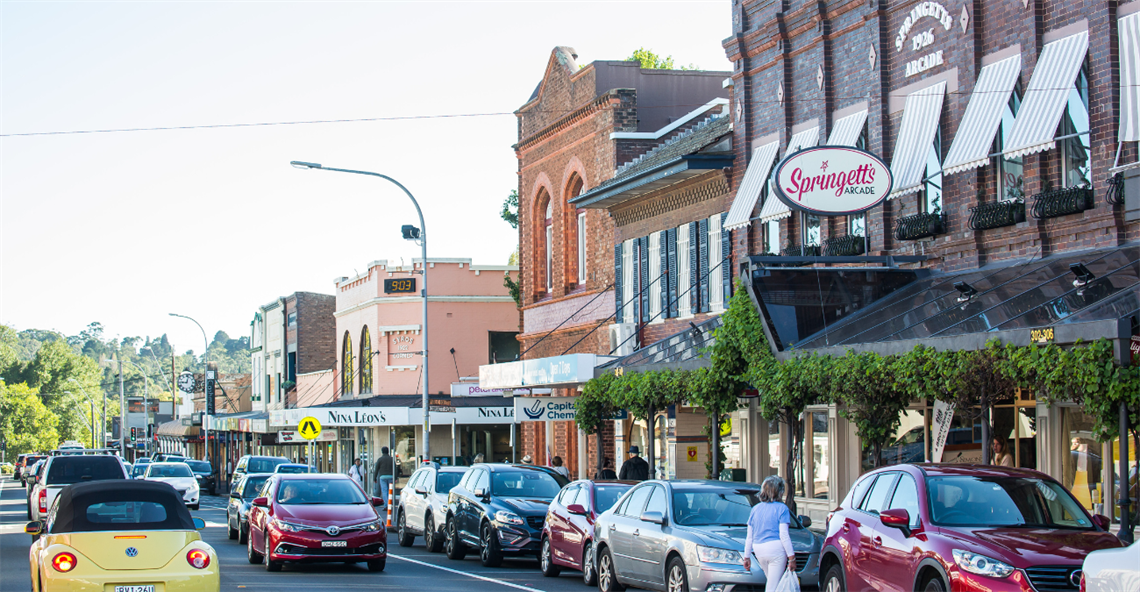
x: 645, y: 279
x: 704, y: 257
x: 726, y: 256
x: 617, y: 282
x: 635, y: 285
x: 669, y: 250
x: 694, y: 268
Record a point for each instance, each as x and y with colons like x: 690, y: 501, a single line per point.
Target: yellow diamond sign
x: 309, y: 428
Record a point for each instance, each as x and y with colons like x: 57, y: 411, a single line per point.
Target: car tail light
x: 63, y: 562
x: 43, y: 501
x: 197, y: 558
x: 1083, y: 589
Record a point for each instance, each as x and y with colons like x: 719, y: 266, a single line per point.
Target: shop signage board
x: 568, y: 370
x: 292, y: 437
x: 330, y: 417
x: 832, y: 180
x: 472, y: 389
x: 940, y: 431
x: 545, y: 408
x: 1134, y: 347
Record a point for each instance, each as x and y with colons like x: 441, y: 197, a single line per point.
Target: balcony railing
x: 997, y: 215
x: 1062, y: 202
x: 1114, y: 195
x: 920, y: 226
x: 801, y: 251
x: 847, y: 245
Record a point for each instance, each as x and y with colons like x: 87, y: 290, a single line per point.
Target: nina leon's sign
x: 832, y: 180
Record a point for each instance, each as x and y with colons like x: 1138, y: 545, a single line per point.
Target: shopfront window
x: 1133, y: 481
x: 775, y: 455
x: 1082, y: 466
x: 1075, y: 150
x: 404, y: 454
x: 811, y: 478
x: 907, y: 445
x: 810, y: 225
x: 772, y: 237
x: 1015, y: 420
x: 492, y: 442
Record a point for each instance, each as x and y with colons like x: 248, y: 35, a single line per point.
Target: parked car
x: 204, y: 474
x: 58, y: 472
x: 139, y: 471
x: 1111, y: 570
x: 499, y: 509
x: 316, y: 518
x: 32, y: 475
x: 103, y: 536
x: 689, y: 535
x: 244, y: 491
x: 256, y: 464
x: 25, y: 464
x: 19, y: 466
x: 178, y: 476
x: 423, y: 505
x: 568, y: 535
x: 293, y: 469
x: 169, y: 457
x: 945, y: 527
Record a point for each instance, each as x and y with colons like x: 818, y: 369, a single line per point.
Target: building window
x: 861, y: 141
x: 812, y: 476
x: 930, y: 198
x: 574, y: 228
x: 346, y: 365
x: 268, y: 388
x: 1010, y: 171
x: 716, y: 277
x: 543, y: 230
x: 655, y: 279
x: 279, y: 390
x: 291, y: 369
x: 365, y: 361
x: 549, y: 249
x: 684, y: 267
x: 772, y: 237
x: 810, y: 225
x: 1075, y: 150
x: 581, y: 247
x: 293, y: 320
x: 857, y: 224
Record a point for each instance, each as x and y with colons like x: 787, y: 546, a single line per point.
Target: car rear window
x: 444, y: 482
x: 78, y: 469
x: 199, y: 466
x: 263, y: 465
x: 608, y: 495
x: 292, y: 469
x: 252, y: 486
x: 125, y: 513
x: 173, y: 470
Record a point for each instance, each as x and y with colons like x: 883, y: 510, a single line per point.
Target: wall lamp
x: 1083, y: 274
x: 966, y: 291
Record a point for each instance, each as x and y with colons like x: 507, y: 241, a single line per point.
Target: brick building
x: 310, y: 346
x: 579, y: 126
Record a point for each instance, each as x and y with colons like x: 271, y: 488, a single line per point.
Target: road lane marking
x: 463, y: 573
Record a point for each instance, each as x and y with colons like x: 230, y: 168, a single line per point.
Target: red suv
x: 568, y: 534
x: 939, y: 528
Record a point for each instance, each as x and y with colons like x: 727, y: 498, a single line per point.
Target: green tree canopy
x: 651, y: 61
x: 26, y: 424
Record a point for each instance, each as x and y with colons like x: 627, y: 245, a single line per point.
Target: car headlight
x: 374, y: 526
x: 509, y: 518
x: 715, y: 555
x: 286, y: 526
x: 981, y: 565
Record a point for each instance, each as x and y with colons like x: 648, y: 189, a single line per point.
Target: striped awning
x: 976, y: 131
x: 1047, y: 96
x: 920, y: 118
x: 751, y: 186
x: 774, y: 209
x: 846, y: 131
x: 804, y: 139
x: 1130, y: 78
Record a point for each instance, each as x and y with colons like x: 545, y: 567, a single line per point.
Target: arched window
x: 549, y: 249
x: 543, y: 244
x: 574, y: 224
x: 346, y: 365
x: 365, y: 361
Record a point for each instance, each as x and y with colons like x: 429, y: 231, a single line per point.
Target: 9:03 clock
x: 400, y: 286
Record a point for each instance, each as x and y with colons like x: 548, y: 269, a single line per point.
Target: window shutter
x: 643, y: 242
x: 617, y: 282
x: 704, y: 277
x: 726, y: 265
x: 669, y: 305
x: 635, y: 287
x: 694, y: 269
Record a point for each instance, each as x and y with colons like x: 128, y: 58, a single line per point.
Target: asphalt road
x: 411, y: 568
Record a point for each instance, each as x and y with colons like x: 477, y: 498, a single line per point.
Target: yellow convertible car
x: 104, y: 537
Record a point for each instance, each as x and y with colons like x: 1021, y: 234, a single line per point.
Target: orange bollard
x: 391, y: 492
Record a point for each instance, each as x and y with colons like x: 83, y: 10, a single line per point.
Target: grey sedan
x: 689, y: 535
x: 244, y: 491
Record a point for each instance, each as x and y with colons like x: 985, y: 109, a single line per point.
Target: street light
x: 103, y: 431
x: 421, y: 238
x: 205, y: 382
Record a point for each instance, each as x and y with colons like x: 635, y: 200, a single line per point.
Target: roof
x: 79, y: 497
x: 682, y: 349
x: 967, y: 470
x: 307, y: 476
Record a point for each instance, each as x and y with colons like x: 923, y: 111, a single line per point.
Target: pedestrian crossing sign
x: 309, y: 428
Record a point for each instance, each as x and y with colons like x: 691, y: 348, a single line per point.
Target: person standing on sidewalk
x: 382, y: 475
x: 355, y: 473
x: 634, y: 469
x: 768, y: 538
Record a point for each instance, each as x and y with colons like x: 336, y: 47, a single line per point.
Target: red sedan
x: 568, y: 534
x: 316, y: 518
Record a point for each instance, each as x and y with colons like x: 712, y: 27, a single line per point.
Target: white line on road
x: 463, y: 573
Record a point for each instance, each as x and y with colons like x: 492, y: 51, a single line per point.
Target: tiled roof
x: 700, y: 136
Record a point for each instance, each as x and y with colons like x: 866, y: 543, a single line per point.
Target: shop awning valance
x: 805, y: 139
x: 976, y: 131
x: 751, y: 186
x: 1047, y: 96
x: 846, y: 130
x: 920, y: 118
x: 774, y: 209
x: 1130, y: 78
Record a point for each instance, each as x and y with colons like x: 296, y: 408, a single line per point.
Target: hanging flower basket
x: 997, y: 215
x: 1062, y: 202
x: 920, y: 226
x: 844, y: 246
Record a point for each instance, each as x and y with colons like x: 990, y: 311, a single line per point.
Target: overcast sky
x: 124, y: 227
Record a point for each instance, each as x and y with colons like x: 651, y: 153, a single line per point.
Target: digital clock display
x: 400, y: 286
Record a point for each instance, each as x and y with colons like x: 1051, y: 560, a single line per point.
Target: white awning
x: 976, y: 131
x: 920, y: 118
x: 774, y: 209
x: 846, y: 131
x: 804, y: 139
x: 1130, y: 78
x: 1047, y: 95
x: 751, y: 186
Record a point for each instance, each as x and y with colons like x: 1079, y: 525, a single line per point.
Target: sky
x: 125, y: 227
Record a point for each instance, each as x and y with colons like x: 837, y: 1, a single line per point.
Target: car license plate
x: 334, y: 543
x: 146, y: 588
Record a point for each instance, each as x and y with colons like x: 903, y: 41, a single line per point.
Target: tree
x: 869, y: 386
x: 26, y: 425
x: 510, y: 211
x: 652, y: 61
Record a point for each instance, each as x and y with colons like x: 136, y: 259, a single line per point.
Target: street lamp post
x: 422, y: 237
x: 205, y: 383
x: 103, y: 430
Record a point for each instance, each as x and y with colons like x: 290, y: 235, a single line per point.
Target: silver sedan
x: 689, y: 535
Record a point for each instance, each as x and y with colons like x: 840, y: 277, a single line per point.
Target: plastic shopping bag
x: 789, y: 582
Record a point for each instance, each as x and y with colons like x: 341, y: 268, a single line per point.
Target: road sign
x: 309, y: 428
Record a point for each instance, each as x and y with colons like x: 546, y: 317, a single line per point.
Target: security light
x: 410, y: 232
x: 967, y: 291
x: 305, y: 165
x: 1083, y: 274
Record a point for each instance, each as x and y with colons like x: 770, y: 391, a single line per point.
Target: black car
x: 499, y: 509
x: 241, y: 498
x: 204, y: 473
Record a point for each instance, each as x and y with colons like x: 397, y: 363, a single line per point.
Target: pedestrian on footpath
x: 634, y: 469
x: 767, y: 538
x: 607, y: 471
x: 558, y: 468
x: 354, y: 472
x: 382, y: 475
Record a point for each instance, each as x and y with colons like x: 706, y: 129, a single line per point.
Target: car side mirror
x: 34, y: 528
x: 654, y: 517
x: 421, y: 490
x: 1102, y: 521
x: 896, y: 518
x: 377, y: 502
x: 576, y: 509
x: 235, y: 495
x: 480, y: 492
x: 805, y: 521
x: 261, y: 502
x: 199, y: 524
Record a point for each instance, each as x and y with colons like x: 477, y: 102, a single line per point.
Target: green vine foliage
x: 873, y: 391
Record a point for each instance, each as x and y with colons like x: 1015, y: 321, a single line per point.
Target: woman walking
x: 768, y: 539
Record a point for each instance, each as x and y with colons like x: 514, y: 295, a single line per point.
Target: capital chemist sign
x: 832, y: 180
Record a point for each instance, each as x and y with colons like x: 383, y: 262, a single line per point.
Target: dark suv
x: 500, y: 510
x: 943, y: 527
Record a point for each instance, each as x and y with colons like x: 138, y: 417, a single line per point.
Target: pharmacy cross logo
x: 132, y: 552
x: 534, y: 411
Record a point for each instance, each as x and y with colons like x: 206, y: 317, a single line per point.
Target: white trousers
x: 773, y: 559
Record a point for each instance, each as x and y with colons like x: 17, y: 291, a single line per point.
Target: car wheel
x: 253, y: 556
x: 546, y: 560
x: 589, y: 574
x: 270, y: 564
x: 607, y: 576
x: 934, y: 585
x: 833, y: 581
x: 678, y: 578
x: 402, y: 535
x: 454, y: 547
x: 243, y: 533
x: 431, y: 537
x: 489, y: 553
x: 231, y: 532
x: 377, y: 564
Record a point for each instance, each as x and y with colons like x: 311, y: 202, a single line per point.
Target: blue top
x: 765, y: 519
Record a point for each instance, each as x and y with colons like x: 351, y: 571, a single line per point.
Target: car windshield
x: 171, y: 470
x: 253, y: 486
x: 199, y: 466
x: 174, y: 459
x: 77, y: 469
x: 444, y: 482
x: 263, y: 465
x: 539, y: 484
x: 138, y: 470
x: 706, y: 507
x: 319, y: 491
x: 605, y: 496
x: 287, y: 469
x: 1003, y: 501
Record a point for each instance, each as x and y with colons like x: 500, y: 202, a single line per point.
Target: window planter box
x: 805, y: 251
x: 1115, y: 193
x: 844, y: 246
x: 997, y: 215
x: 1062, y: 202
x: 920, y: 226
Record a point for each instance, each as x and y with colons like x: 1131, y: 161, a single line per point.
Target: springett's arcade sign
x: 832, y: 180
